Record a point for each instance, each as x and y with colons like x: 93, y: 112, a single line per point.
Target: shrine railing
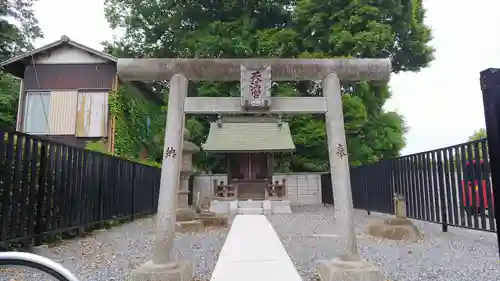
x: 276, y: 190
x: 225, y: 191
x: 272, y: 191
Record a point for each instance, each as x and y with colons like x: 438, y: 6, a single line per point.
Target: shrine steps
x: 250, y: 207
x: 253, y: 252
x: 250, y: 211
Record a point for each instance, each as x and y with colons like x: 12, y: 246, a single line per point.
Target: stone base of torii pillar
x: 342, y: 269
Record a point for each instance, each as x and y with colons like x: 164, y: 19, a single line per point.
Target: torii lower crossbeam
x: 231, y: 105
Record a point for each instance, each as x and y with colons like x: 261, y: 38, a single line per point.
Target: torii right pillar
x: 349, y: 265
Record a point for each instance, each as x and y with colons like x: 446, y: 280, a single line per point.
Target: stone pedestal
x: 341, y: 270
x: 186, y: 216
x: 400, y: 206
x: 176, y: 271
x: 184, y: 212
x: 398, y: 228
x: 395, y: 229
x: 212, y: 220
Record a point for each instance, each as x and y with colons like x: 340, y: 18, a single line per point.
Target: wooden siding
x: 65, y: 77
x: 69, y: 76
x: 62, y: 115
x: 92, y: 114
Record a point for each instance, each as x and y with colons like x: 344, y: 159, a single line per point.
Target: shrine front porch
x: 301, y: 188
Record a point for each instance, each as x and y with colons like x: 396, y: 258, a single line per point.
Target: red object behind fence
x: 470, y: 183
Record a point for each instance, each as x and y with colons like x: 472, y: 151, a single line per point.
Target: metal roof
x: 249, y: 137
x: 64, y: 40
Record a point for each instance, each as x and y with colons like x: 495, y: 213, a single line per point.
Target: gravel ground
x: 309, y: 234
x: 460, y: 254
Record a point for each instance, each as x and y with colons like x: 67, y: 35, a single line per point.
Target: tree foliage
x: 9, y: 95
x: 477, y: 145
x: 287, y: 28
x: 477, y: 135
x: 18, y: 31
x: 138, y: 127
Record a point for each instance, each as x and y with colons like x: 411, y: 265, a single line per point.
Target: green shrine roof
x: 249, y: 135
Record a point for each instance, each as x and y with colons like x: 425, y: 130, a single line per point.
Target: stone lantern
x: 186, y: 216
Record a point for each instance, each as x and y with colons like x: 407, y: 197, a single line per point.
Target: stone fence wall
x: 302, y: 188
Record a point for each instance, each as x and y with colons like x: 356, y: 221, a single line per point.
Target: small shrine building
x: 249, y: 144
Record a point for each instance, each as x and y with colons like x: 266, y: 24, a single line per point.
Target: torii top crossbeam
x: 229, y: 69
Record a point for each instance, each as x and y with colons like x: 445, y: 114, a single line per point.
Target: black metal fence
x: 372, y: 187
x: 47, y: 187
x: 451, y: 186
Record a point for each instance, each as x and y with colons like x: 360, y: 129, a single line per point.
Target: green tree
x: 18, y: 30
x: 477, y: 144
x: 474, y: 143
x: 352, y: 28
x: 9, y: 94
x: 288, y: 28
x: 479, y: 134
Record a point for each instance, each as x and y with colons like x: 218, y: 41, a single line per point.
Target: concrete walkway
x: 253, y: 251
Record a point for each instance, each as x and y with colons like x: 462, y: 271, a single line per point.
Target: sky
x: 442, y: 104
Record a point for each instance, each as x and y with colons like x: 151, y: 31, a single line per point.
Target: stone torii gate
x: 255, y: 76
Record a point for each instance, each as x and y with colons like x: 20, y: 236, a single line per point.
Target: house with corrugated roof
x: 64, y: 92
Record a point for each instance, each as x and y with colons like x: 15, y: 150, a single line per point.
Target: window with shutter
x: 36, y: 113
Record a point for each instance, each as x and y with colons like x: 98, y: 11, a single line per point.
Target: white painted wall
x: 68, y: 55
x: 302, y: 188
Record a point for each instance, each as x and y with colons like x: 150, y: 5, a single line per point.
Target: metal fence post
x: 442, y: 197
x: 367, y: 200
x: 490, y: 87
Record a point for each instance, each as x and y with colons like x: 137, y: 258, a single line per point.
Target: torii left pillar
x: 164, y: 267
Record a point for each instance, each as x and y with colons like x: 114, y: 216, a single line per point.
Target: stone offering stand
x: 187, y: 219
